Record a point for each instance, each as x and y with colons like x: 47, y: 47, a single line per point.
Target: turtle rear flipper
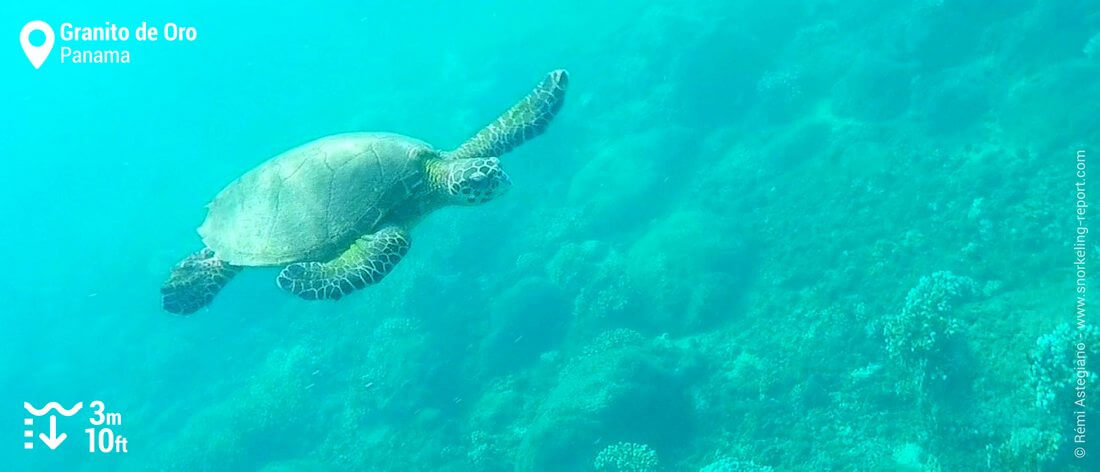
x: 195, y: 281
x: 523, y: 121
x: 366, y: 262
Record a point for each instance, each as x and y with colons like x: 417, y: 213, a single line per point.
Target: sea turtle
x: 336, y: 212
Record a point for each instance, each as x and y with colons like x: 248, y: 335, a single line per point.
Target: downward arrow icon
x: 53, y: 440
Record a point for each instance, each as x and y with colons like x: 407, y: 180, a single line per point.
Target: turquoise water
x: 793, y: 235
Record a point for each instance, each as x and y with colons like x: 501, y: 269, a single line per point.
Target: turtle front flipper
x: 523, y: 121
x: 366, y: 262
x: 195, y: 281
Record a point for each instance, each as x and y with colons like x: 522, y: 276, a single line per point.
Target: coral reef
x: 627, y: 457
x: 920, y: 336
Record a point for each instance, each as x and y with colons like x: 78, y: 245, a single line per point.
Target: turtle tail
x: 195, y: 281
x: 522, y: 122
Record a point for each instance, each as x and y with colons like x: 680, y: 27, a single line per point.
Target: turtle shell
x: 311, y: 202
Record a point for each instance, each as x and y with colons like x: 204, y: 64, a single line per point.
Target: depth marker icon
x: 54, y: 439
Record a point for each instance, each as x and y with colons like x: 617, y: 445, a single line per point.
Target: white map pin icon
x: 37, y: 54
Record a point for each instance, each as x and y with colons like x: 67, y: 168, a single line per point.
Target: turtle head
x: 472, y: 181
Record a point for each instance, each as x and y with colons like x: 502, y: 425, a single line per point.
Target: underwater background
x: 790, y: 235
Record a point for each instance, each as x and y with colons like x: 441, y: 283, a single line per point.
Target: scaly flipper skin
x: 523, y: 121
x: 366, y: 262
x: 195, y: 281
